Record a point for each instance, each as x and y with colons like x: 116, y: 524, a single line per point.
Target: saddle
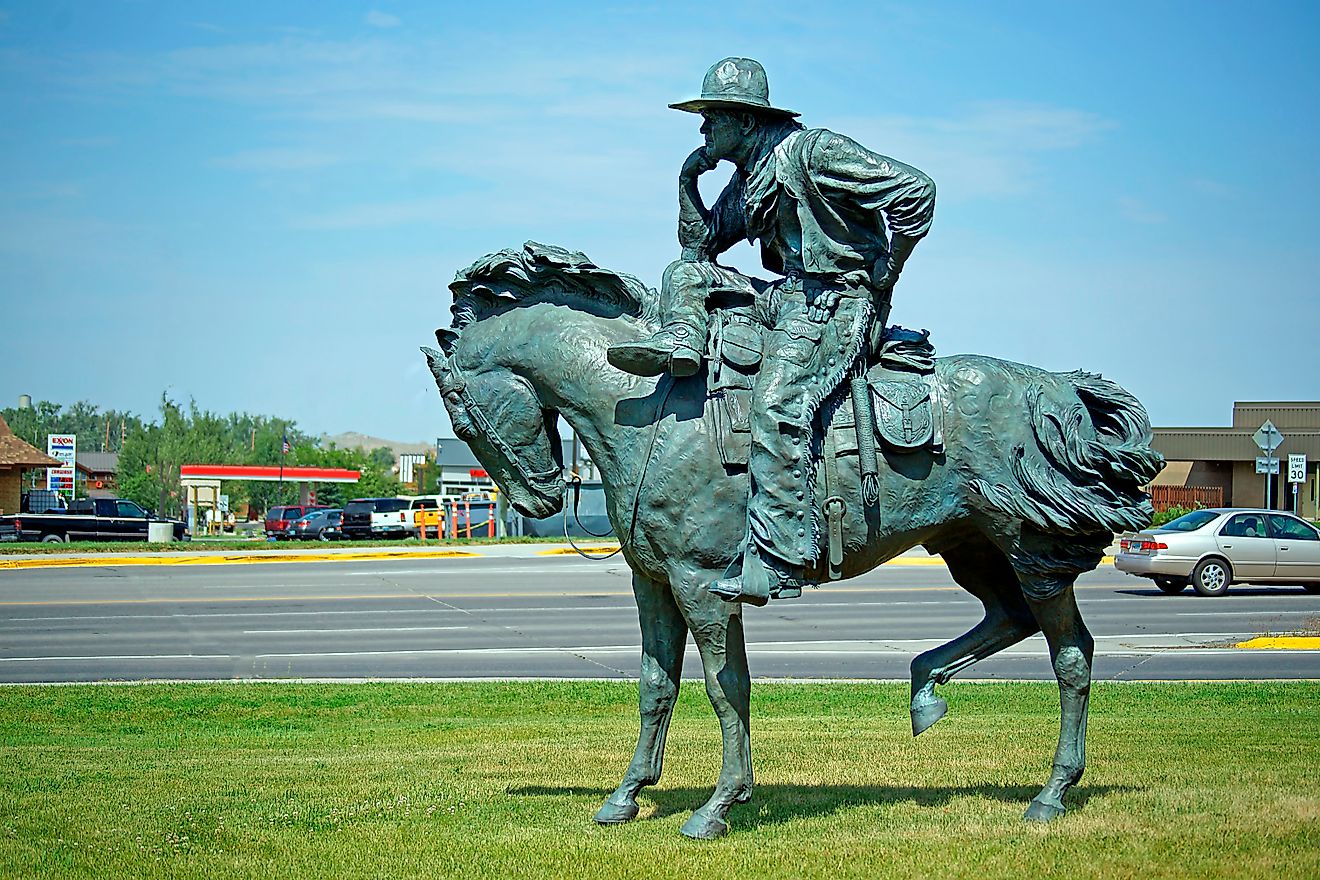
x: 904, y: 394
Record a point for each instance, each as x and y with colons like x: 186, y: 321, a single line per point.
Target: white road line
x: 627, y: 607
x: 119, y: 657
x: 1313, y: 612
x: 476, y: 572
x: 432, y: 609
x: 366, y: 629
x: 788, y: 650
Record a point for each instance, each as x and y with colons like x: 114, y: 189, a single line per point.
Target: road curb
x: 115, y: 560
x: 1289, y: 643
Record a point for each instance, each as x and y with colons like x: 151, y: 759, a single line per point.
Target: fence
x: 1164, y: 497
x: 457, y: 519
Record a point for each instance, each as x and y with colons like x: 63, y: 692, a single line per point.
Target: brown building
x: 1223, y: 460
x: 97, y: 473
x: 16, y: 457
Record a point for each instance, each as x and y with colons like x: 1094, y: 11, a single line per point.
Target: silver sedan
x: 1213, y: 548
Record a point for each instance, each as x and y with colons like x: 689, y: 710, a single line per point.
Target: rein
x: 543, y: 481
x: 576, y: 483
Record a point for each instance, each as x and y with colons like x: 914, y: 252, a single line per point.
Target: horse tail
x: 1092, y: 457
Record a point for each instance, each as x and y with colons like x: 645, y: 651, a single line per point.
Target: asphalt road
x: 570, y: 618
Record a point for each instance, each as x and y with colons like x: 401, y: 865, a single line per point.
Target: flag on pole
x: 287, y: 447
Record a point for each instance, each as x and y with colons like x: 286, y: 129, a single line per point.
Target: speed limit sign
x: 1297, y: 468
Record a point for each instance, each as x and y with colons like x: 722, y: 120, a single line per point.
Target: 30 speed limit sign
x: 1297, y: 468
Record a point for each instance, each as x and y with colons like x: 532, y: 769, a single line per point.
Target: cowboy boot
x: 671, y: 348
x: 762, y: 579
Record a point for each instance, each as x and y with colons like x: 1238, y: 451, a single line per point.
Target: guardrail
x: 455, y: 519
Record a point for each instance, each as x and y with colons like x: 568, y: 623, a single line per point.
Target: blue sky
x: 260, y: 205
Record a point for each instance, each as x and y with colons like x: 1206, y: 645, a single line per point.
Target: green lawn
x: 496, y: 780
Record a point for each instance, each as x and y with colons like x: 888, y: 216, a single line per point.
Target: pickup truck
x: 91, y: 519
x: 377, y: 518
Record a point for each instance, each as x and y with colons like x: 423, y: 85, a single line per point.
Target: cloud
x: 1139, y: 212
x: 277, y: 160
x: 985, y: 150
x: 379, y: 19
x: 92, y: 142
x: 1210, y: 187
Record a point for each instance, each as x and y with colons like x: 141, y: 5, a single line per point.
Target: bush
x: 1171, y: 513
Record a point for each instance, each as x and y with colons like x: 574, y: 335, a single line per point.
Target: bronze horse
x: 1037, y: 472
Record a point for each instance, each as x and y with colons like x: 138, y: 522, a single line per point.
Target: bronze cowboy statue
x: 757, y: 436
x: 837, y: 222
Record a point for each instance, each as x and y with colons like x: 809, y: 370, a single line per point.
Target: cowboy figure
x: 836, y: 222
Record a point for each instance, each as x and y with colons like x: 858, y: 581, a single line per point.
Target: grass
x: 501, y: 780
x: 259, y: 545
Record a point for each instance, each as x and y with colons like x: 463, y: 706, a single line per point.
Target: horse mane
x: 538, y: 273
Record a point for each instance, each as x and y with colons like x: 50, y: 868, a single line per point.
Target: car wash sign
x: 65, y: 448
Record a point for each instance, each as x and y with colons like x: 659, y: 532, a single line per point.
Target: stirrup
x: 760, y: 581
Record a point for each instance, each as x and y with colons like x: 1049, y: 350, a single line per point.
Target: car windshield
x: 359, y: 506
x: 290, y: 513
x: 389, y: 505
x: 1189, y: 522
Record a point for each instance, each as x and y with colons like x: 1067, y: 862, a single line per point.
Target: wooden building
x: 17, y: 456
x: 1222, y: 460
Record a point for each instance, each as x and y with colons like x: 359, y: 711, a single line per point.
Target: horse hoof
x: 1040, y: 811
x: 703, y: 827
x: 611, y: 813
x: 927, y: 713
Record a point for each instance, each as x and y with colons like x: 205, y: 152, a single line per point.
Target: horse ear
x: 448, y: 339
x: 439, y: 365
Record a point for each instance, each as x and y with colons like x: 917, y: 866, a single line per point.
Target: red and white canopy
x: 267, y: 473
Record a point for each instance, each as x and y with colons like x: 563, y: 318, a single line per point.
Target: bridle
x: 548, y: 482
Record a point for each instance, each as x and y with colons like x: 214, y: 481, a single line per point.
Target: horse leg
x: 664, y: 637
x: 1071, y: 651
x: 984, y: 571
x: 717, y: 629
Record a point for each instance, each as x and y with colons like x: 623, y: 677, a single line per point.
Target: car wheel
x: 1211, y: 577
x: 52, y: 539
x: 1311, y: 586
x: 324, y: 537
x: 1172, y: 586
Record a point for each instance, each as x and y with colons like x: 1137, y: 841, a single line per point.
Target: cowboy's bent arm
x: 901, y: 194
x: 694, y: 229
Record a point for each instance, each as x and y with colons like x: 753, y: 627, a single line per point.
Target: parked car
x: 319, y: 525
x: 1214, y: 548
x: 377, y: 518
x: 428, y: 514
x: 91, y: 519
x: 280, y: 519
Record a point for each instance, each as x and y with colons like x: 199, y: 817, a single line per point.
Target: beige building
x: 17, y: 456
x: 1225, y: 458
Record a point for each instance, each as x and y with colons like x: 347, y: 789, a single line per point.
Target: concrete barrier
x: 160, y: 532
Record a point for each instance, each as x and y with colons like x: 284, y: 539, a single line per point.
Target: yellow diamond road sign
x: 1268, y: 437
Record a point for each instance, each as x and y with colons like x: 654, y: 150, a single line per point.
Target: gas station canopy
x: 267, y: 473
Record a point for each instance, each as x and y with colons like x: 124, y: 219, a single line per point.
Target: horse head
x: 512, y: 434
